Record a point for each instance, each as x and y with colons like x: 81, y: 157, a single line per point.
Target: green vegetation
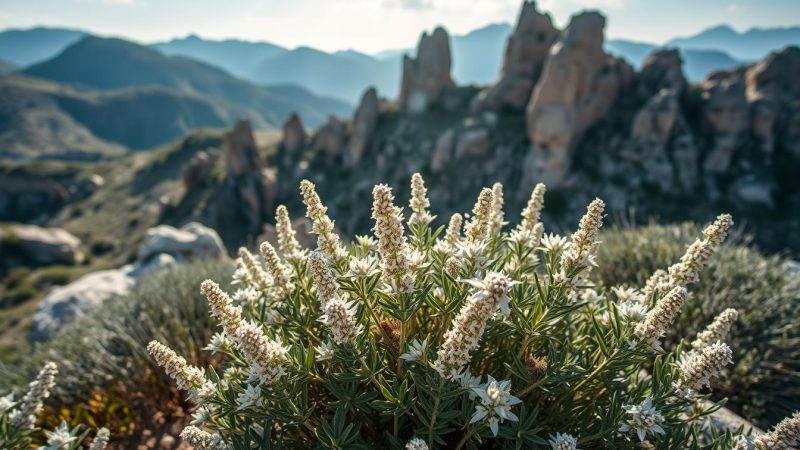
x: 764, y: 382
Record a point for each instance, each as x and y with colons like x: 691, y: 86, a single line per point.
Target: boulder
x: 193, y: 240
x: 365, y: 121
x: 525, y: 55
x: 44, y: 245
x: 427, y: 75
x: 578, y: 86
x: 63, y: 304
x: 329, y: 138
x: 651, y: 135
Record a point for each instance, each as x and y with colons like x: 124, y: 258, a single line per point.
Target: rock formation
x: 578, y: 85
x: 526, y: 53
x: 329, y: 138
x: 197, y: 171
x: 294, y: 135
x: 364, y: 122
x: 244, y: 201
x: 43, y: 245
x: 427, y: 75
x: 663, y: 69
x: 162, y: 246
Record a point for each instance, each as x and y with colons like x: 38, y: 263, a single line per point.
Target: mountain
x: 25, y: 47
x: 345, y: 74
x: 40, y: 119
x: 478, y: 55
x: 108, y: 63
x: 753, y: 44
x: 236, y: 56
x: 697, y: 64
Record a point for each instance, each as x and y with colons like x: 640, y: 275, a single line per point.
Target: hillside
x: 698, y: 64
x: 33, y: 45
x: 114, y: 63
x: 7, y: 67
x: 45, y: 120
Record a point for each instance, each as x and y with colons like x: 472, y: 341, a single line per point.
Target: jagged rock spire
x: 578, y: 85
x: 294, y: 134
x: 364, y: 122
x: 427, y: 75
x: 525, y: 55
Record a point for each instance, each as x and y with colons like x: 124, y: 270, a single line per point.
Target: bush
x: 764, y: 382
x: 490, y: 339
x: 106, y: 377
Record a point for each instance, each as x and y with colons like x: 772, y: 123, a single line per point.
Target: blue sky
x: 374, y: 25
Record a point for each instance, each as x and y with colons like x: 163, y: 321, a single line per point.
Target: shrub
x: 18, y: 428
x: 106, y: 377
x: 490, y: 339
x: 764, y: 382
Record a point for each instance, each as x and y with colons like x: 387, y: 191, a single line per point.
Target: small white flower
x: 416, y: 444
x: 469, y: 383
x: 645, y: 418
x: 219, y: 342
x: 416, y: 351
x: 563, y: 441
x: 363, y: 267
x: 250, y: 396
x: 554, y: 243
x: 202, y: 415
x: 60, y: 438
x: 324, y: 351
x: 496, y: 403
x: 6, y: 403
x: 252, y: 374
x: 626, y: 294
x: 366, y: 242
x: 632, y: 311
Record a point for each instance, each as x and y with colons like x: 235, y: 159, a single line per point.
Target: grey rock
x: 427, y: 75
x: 65, y: 303
x: 193, y: 240
x: 45, y: 245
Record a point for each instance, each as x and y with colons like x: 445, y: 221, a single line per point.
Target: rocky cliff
x: 565, y: 112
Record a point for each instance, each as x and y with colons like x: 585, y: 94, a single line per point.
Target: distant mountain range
x: 103, y: 95
x: 477, y: 56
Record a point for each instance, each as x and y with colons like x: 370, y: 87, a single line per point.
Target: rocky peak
x: 364, y: 122
x: 240, y: 151
x: 293, y: 134
x: 329, y: 137
x: 578, y: 86
x: 525, y: 55
x: 663, y: 69
x: 427, y: 75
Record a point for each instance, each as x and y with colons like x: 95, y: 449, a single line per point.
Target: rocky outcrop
x: 162, y: 247
x: 726, y: 113
x: 294, y: 135
x: 197, y: 171
x: 244, y: 200
x: 43, y: 246
x: 365, y: 121
x: 579, y: 84
x: 525, y: 56
x: 64, y: 304
x: 663, y: 69
x: 193, y: 240
x: 428, y: 75
x: 329, y: 138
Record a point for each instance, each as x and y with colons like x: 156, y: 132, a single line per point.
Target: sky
x: 374, y: 25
